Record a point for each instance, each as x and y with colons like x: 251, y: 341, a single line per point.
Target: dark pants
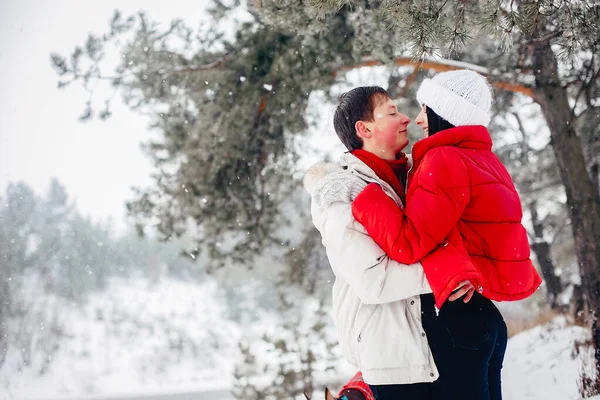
x: 468, y: 342
x: 414, y: 391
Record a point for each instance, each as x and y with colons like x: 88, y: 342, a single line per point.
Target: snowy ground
x: 136, y: 338
x: 140, y: 339
x: 541, y: 364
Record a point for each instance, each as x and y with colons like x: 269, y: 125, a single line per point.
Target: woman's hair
x: 435, y: 123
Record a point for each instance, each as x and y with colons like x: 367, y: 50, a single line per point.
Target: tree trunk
x: 596, y: 180
x: 541, y: 248
x: 578, y: 308
x: 581, y: 199
x: 553, y: 284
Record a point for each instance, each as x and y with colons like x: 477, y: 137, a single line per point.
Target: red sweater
x: 462, y: 219
x: 391, y: 171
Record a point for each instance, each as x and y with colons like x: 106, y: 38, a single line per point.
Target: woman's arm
x: 356, y: 258
x: 436, y: 205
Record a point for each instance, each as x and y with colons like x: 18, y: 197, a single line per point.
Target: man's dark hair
x: 356, y: 105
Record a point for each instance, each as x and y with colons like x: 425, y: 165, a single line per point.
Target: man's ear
x: 362, y: 130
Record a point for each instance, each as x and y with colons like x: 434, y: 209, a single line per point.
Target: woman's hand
x: 464, y: 288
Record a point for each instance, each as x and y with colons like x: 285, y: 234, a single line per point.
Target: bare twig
x: 543, y: 39
x: 217, y: 63
x: 585, y: 85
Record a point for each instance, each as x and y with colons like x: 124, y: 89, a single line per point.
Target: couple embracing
x: 419, y: 247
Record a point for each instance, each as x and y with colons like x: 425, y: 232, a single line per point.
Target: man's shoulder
x: 317, y: 173
x: 330, y: 183
x: 313, y: 175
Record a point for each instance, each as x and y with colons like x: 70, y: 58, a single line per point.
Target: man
x: 377, y: 303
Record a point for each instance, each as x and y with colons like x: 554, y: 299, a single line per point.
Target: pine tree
x: 17, y: 223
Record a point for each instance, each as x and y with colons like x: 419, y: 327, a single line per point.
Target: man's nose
x: 405, y: 119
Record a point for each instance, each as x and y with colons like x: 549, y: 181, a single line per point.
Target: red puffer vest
x: 462, y: 218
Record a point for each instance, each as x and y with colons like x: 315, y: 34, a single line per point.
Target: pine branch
x: 196, y: 68
x: 442, y: 65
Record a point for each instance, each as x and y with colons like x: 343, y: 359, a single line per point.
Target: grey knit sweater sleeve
x: 339, y: 185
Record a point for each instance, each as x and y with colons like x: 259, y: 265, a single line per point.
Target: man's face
x: 388, y: 128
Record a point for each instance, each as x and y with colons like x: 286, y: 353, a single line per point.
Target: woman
x: 460, y: 201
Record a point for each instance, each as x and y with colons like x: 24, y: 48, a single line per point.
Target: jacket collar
x: 357, y: 166
x: 318, y: 174
x: 474, y: 137
x: 349, y: 160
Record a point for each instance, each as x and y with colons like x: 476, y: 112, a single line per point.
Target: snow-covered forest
x: 217, y: 280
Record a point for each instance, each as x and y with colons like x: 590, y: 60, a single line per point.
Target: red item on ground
x: 358, y: 383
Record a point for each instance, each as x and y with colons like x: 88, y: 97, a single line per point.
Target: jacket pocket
x: 365, y: 315
x: 391, y: 338
x: 363, y: 325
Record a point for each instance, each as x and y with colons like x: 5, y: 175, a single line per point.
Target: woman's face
x: 421, y: 120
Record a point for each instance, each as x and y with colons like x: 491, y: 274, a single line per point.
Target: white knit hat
x: 461, y: 97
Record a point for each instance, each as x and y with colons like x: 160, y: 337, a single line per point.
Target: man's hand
x: 464, y: 288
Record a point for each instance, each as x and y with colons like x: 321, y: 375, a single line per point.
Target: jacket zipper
x: 412, y: 164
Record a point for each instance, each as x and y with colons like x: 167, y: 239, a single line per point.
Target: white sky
x: 40, y: 135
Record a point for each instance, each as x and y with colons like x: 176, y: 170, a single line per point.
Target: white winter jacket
x: 376, y: 303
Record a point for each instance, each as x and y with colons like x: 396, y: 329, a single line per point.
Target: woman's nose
x: 419, y: 120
